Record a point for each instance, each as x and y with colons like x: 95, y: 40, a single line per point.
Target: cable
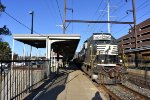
x: 95, y: 14
x: 137, y: 19
x: 137, y: 9
x: 59, y: 11
x: 97, y: 9
x: 18, y: 21
x: 143, y: 15
x: 119, y: 8
x: 142, y: 4
x: 49, y: 7
x: 98, y: 19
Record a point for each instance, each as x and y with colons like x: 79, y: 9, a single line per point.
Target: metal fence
x: 142, y: 64
x: 18, y: 78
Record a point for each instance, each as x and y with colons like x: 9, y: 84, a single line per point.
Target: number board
x: 102, y: 37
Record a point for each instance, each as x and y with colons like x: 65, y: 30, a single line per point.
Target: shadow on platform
x: 52, y: 87
x: 97, y: 96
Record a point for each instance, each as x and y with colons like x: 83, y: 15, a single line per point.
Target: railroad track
x: 143, y: 97
x: 121, y: 92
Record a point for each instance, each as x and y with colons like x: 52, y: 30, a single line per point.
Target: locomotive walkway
x: 69, y: 84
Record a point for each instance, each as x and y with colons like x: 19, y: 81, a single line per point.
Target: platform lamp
x: 30, y: 82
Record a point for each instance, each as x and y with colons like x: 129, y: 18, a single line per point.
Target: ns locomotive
x: 99, y: 59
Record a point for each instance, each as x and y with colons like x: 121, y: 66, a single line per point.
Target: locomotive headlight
x: 102, y: 60
x: 121, y: 61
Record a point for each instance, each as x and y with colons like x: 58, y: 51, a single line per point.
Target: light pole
x: 64, y: 20
x: 32, y: 13
x: 30, y: 80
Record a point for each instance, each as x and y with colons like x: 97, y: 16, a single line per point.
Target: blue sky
x: 47, y: 17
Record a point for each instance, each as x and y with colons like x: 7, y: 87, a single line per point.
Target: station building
x: 126, y: 44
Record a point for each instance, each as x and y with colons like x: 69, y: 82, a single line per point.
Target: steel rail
x: 113, y: 95
x: 143, y: 97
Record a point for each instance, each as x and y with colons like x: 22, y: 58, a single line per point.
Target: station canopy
x: 64, y: 44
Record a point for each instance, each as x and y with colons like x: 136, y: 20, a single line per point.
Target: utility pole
x: 135, y: 32
x: 64, y: 23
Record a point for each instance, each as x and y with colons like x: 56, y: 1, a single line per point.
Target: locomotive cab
x: 100, y: 58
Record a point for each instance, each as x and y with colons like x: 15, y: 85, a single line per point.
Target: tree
x: 2, y: 7
x: 5, y: 51
x: 4, y: 31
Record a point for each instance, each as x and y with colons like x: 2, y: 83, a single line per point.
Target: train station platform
x: 69, y: 84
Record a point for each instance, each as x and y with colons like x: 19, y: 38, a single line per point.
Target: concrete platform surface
x: 79, y: 87
x: 70, y: 84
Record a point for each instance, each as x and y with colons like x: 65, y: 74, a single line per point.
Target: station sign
x: 101, y: 37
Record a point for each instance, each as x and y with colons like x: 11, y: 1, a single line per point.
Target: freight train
x: 99, y: 59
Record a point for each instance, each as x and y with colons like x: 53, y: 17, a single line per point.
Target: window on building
x: 126, y: 39
x: 145, y: 33
x: 145, y: 40
x: 138, y: 35
x: 145, y: 27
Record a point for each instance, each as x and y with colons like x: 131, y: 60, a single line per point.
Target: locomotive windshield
x: 107, y: 59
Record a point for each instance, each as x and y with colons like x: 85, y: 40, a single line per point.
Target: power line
x: 72, y: 14
x: 49, y: 7
x: 143, y: 15
x: 137, y: 19
x: 137, y: 9
x: 59, y: 11
x: 95, y: 14
x: 119, y: 8
x: 18, y: 21
x: 142, y: 4
x: 94, y: 26
x: 97, y: 9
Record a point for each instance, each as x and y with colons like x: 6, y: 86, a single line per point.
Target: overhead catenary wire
x: 142, y: 4
x: 138, y: 9
x: 137, y: 19
x: 72, y: 11
x: 88, y: 26
x: 94, y: 26
x: 119, y: 8
x: 59, y: 11
x: 97, y: 8
x: 72, y: 14
x: 100, y: 16
x: 49, y: 8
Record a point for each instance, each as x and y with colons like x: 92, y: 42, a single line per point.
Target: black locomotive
x: 99, y: 59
